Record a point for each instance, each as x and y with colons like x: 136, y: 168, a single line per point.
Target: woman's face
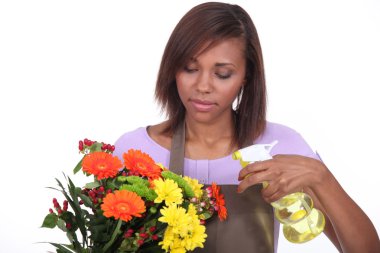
x: 210, y: 82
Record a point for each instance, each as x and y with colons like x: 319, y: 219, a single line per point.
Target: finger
x: 280, y: 188
x: 270, y: 189
x: 253, y: 167
x: 294, y: 159
x: 273, y: 197
x: 254, y: 178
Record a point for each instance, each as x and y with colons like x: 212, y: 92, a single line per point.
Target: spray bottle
x: 301, y: 221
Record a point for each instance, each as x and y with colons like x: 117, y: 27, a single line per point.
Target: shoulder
x: 289, y: 140
x: 145, y: 139
x: 276, y: 130
x: 159, y: 135
x: 129, y: 140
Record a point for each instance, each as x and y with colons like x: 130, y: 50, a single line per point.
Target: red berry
x: 68, y: 225
x: 127, y: 235
x: 152, y: 229
x: 154, y: 237
x: 51, y: 210
x: 81, y: 202
x: 101, y: 189
x: 80, y: 145
x: 144, y: 235
x: 92, y: 193
x: 59, y: 211
x: 140, y: 242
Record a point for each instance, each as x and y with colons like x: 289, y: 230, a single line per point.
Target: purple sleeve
x: 138, y: 139
x: 289, y: 141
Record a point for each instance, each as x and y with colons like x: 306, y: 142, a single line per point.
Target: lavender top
x: 224, y: 170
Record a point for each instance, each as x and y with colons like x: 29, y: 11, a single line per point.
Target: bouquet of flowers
x: 135, y: 206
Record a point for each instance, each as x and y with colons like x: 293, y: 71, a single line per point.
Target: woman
x: 211, y: 85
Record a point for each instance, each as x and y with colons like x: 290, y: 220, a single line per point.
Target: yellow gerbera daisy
x: 167, y: 191
x: 195, y: 186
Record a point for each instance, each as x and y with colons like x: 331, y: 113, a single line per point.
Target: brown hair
x: 211, y: 23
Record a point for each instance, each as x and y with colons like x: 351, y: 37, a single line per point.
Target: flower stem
x: 115, y: 232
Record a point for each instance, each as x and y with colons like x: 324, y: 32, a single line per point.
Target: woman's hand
x: 285, y: 174
x: 293, y: 173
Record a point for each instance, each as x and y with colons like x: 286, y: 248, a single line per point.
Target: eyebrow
x: 221, y: 64
x: 218, y: 64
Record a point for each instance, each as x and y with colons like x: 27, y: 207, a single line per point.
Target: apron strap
x: 177, y: 150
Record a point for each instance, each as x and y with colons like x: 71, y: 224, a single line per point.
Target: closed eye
x: 223, y: 76
x: 190, y: 70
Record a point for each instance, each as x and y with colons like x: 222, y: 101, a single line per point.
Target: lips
x: 202, y: 105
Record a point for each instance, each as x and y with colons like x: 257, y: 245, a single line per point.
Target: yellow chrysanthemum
x: 171, y: 241
x: 167, y: 191
x: 192, y: 212
x: 184, y: 231
x: 178, y: 250
x: 167, y: 241
x: 195, y: 186
x: 197, y: 237
x: 177, y: 218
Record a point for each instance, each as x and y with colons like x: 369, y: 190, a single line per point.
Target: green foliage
x: 50, y: 221
x: 139, y: 186
x: 188, y: 191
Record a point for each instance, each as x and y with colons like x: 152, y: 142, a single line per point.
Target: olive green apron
x: 249, y: 224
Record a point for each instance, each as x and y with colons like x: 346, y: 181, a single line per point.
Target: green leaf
x: 96, y: 147
x: 86, y: 200
x: 63, y: 248
x: 92, y: 185
x: 79, y: 166
x: 206, y: 215
x: 74, y: 203
x: 50, y: 221
x: 62, y: 225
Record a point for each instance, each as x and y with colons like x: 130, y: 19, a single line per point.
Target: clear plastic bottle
x: 301, y: 221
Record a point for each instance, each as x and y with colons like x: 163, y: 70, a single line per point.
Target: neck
x: 210, y: 132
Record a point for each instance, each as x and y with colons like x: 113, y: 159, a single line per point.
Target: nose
x: 204, y: 83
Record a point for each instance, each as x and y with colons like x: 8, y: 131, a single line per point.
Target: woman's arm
x: 347, y: 226
x: 350, y: 226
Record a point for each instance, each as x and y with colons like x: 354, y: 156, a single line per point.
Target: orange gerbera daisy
x: 101, y: 164
x: 123, y: 205
x: 142, y: 164
x: 220, y: 203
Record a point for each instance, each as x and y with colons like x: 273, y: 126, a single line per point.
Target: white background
x: 76, y: 69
